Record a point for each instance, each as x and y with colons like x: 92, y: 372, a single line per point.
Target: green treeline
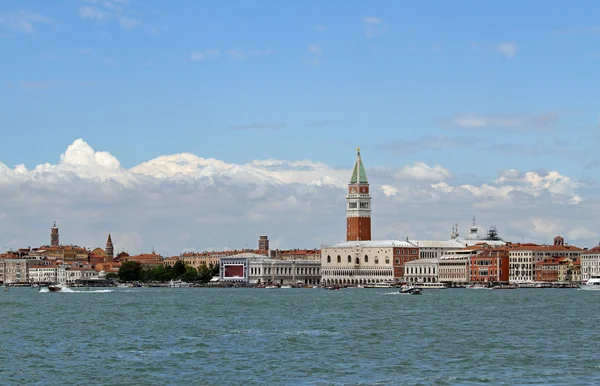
x: 133, y: 271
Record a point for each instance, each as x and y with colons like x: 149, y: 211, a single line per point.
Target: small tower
x: 358, y: 200
x: 54, y: 241
x: 263, y: 243
x: 110, y: 252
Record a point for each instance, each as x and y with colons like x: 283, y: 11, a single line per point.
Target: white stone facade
x: 359, y: 262
x: 433, y: 249
x: 266, y: 270
x: 421, y: 271
x: 454, y: 267
x: 43, y: 274
x: 590, y: 263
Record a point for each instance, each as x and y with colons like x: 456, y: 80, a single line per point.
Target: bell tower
x: 358, y: 204
x: 109, y: 249
x: 54, y: 241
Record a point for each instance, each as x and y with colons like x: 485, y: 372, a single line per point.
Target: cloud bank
x: 182, y: 201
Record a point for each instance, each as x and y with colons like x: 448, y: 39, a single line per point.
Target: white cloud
x: 373, y: 26
x: 507, y: 49
x: 87, y: 12
x: 422, y: 171
x: 521, y: 122
x: 106, y: 10
x: 22, y: 21
x: 236, y: 54
x: 129, y: 23
x: 181, y: 201
x: 372, y: 20
x: 315, y: 49
x: 202, y: 55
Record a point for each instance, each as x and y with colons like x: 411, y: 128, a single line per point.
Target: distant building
x: 109, y: 249
x: 422, y: 271
x: 253, y: 268
x: 54, y: 239
x: 263, y: 243
x: 453, y: 267
x: 590, y: 263
x: 13, y: 271
x: 358, y: 200
x: 524, y: 257
x: 296, y: 254
x: 147, y: 260
x: 491, y: 265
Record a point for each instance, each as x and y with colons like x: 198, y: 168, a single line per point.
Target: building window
x: 366, y: 258
x: 349, y: 259
x: 376, y: 260
x: 397, y: 261
x: 364, y: 205
x: 328, y: 259
x: 339, y: 259
x: 352, y: 205
x: 387, y: 260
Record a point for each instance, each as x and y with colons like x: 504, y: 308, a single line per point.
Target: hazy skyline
x: 205, y: 124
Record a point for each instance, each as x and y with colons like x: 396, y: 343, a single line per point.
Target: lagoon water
x: 181, y: 336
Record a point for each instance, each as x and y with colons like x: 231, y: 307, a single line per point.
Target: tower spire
x: 359, y: 176
x: 358, y: 209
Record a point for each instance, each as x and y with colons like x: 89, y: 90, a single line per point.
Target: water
x: 171, y: 336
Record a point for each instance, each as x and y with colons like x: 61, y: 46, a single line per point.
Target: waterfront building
x: 13, y: 271
x: 362, y: 262
x: 234, y: 269
x: 284, y: 272
x: 296, y: 254
x: 547, y: 269
x: 98, y: 256
x: 489, y: 266
x: 43, y: 274
x: 524, y: 257
x: 255, y: 268
x: 358, y: 201
x: 54, y: 239
x: 590, y: 263
x: 422, y: 271
x: 453, y: 267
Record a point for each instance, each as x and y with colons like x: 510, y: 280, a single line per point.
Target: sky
x: 200, y: 125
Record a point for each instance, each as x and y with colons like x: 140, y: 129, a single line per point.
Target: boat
x: 477, y: 286
x: 286, y: 286
x: 55, y: 287
x: 271, y: 287
x: 430, y: 285
x: 410, y: 290
x: 593, y: 284
x: 505, y: 286
x: 179, y: 284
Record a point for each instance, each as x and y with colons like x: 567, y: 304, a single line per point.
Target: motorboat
x: 179, y: 284
x: 505, y: 286
x: 286, y: 286
x: 593, y: 284
x: 410, y: 290
x: 55, y: 287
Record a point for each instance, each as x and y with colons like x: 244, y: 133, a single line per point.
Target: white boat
x: 593, y: 284
x: 430, y: 285
x: 179, y: 284
x: 286, y: 286
x: 123, y: 285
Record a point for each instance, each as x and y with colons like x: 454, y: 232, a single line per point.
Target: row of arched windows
x: 366, y: 259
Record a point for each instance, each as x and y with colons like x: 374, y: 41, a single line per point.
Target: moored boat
x: 593, y: 284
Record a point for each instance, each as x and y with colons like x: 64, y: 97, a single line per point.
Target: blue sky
x: 477, y: 87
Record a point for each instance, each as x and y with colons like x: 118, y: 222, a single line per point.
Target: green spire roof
x: 358, y: 175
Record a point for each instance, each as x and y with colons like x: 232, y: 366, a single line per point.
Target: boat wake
x: 70, y: 291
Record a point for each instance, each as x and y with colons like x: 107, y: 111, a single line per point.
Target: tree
x: 204, y: 273
x: 190, y: 274
x: 130, y: 271
x: 178, y: 269
x: 111, y: 275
